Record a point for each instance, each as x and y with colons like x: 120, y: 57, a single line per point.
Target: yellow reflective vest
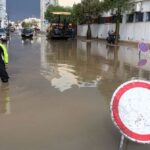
x: 5, y: 53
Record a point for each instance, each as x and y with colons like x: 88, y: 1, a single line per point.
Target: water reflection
x: 64, y: 66
x: 141, y: 62
x: 91, y: 64
x: 4, y: 99
x: 27, y: 41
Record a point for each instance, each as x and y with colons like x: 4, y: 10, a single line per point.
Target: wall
x: 137, y: 31
x: 128, y: 32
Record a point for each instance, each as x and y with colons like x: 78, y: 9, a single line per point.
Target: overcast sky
x: 20, y: 9
x: 68, y: 2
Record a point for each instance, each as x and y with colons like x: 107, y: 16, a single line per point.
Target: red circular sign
x: 130, y: 109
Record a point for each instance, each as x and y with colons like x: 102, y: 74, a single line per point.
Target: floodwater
x: 59, y: 94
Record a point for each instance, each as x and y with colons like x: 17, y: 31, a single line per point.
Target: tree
x: 29, y: 23
x: 77, y: 14
x: 118, y: 7
x: 26, y: 24
x: 86, y: 12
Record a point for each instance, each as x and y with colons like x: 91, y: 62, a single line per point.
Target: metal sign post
x: 121, y: 142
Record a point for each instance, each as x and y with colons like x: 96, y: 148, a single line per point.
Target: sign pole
x: 121, y: 142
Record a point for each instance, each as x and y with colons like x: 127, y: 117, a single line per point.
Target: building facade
x: 134, y: 27
x: 3, y: 14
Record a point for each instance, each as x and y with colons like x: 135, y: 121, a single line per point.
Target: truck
x: 61, y: 30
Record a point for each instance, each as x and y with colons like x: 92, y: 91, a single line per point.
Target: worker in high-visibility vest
x: 3, y: 62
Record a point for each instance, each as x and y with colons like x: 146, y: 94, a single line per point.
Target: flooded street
x: 59, y: 94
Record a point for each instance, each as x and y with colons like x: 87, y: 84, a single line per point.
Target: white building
x: 135, y: 25
x: 3, y: 14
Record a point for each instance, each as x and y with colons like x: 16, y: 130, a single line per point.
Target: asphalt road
x: 59, y: 93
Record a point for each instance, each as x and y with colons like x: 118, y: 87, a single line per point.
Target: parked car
x: 27, y: 33
x: 3, y: 34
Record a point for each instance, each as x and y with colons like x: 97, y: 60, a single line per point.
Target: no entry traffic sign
x: 130, y: 110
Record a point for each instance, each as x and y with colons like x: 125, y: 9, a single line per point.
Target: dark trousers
x: 3, y: 73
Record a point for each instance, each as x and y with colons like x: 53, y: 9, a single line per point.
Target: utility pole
x: 56, y: 2
x: 42, y: 14
x: 43, y: 6
x: 3, y: 12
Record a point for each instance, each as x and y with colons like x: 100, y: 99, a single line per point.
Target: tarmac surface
x: 59, y: 94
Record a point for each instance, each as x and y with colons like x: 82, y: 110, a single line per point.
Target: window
x: 114, y: 18
x: 130, y: 18
x: 108, y: 19
x: 148, y: 16
x: 139, y: 17
x: 101, y: 20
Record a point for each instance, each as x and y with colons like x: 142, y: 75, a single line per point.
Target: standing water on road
x: 92, y: 64
x: 59, y: 94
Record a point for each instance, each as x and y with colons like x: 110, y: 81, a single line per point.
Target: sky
x: 20, y: 9
x: 68, y: 2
